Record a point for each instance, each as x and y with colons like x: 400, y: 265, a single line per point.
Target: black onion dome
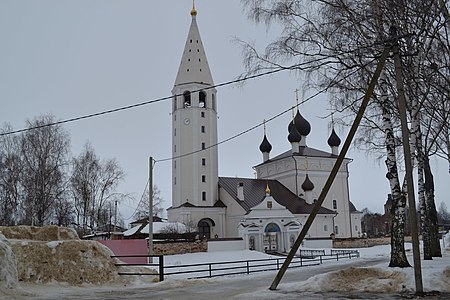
x: 307, y: 184
x: 265, y: 145
x: 294, y: 136
x: 297, y: 119
x: 303, y: 126
x: 334, y: 140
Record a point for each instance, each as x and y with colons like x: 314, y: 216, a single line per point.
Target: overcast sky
x: 75, y: 57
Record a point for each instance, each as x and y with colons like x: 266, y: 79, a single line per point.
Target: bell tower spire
x: 194, y: 126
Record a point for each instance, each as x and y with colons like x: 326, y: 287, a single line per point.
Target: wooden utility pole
x: 334, y: 171
x: 150, y: 208
x: 408, y: 164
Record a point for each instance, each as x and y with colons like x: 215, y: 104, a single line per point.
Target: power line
x: 140, y: 201
x: 262, y: 123
x: 243, y: 79
x: 242, y: 132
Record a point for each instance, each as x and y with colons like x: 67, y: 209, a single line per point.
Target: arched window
x: 251, y: 243
x: 336, y: 229
x: 202, y: 99
x: 325, y: 227
x: 187, y: 99
x: 204, y: 230
x: 292, y: 240
x: 174, y: 100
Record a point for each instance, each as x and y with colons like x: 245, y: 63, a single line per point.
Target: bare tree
x: 93, y: 186
x: 142, y: 210
x: 10, y: 172
x: 44, y: 151
x: 337, y: 43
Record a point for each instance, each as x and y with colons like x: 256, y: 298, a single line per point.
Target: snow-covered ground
x: 359, y: 278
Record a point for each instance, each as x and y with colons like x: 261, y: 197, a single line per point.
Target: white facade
x: 238, y: 207
x: 194, y: 123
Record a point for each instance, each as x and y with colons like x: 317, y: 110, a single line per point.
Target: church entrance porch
x: 272, y: 234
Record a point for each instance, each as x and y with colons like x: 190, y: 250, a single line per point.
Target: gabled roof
x: 353, y: 208
x: 218, y: 203
x: 254, y: 193
x: 303, y: 151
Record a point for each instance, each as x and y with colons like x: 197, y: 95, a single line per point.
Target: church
x: 268, y: 211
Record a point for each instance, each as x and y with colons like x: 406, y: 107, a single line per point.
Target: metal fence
x: 226, y: 268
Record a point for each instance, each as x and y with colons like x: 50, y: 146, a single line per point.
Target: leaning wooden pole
x: 408, y: 163
x: 334, y: 171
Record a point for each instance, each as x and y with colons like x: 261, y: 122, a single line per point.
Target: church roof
x: 353, y: 207
x: 254, y: 193
x: 194, y: 66
x: 303, y: 151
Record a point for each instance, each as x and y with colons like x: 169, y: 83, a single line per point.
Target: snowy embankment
x: 51, y: 254
x: 42, y: 267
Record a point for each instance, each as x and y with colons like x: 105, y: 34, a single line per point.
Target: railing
x: 226, y: 268
x: 160, y: 265
x: 311, y: 253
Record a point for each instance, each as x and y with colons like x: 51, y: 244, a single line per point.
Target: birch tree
x: 44, y: 151
x: 337, y: 43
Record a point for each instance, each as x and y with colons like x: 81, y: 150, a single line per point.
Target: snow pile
x: 8, y: 269
x: 46, y: 233
x: 72, y: 261
x: 373, y: 280
x: 53, y: 254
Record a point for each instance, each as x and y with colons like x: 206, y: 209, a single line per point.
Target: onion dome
x: 265, y: 145
x: 294, y: 136
x: 307, y: 185
x: 334, y: 140
x: 303, y: 126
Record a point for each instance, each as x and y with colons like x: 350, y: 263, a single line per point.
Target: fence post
x: 248, y: 268
x: 301, y: 261
x: 161, y: 268
x: 210, y: 271
x: 337, y: 256
x: 320, y: 259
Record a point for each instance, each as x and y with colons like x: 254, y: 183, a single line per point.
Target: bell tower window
x: 202, y: 99
x: 187, y: 99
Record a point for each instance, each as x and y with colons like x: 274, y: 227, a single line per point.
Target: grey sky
x: 71, y: 58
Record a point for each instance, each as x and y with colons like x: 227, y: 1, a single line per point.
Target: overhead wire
x: 109, y: 111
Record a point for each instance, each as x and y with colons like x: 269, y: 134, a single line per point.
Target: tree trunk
x: 398, y: 254
x: 432, y: 214
x: 424, y: 224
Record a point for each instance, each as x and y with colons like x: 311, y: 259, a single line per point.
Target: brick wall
x: 170, y: 248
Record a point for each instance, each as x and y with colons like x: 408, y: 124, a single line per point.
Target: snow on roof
x: 158, y: 227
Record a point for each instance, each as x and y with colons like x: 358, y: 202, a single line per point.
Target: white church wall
x: 322, y: 226
x: 356, y: 224
x: 234, y: 213
x: 225, y: 245
x: 317, y: 243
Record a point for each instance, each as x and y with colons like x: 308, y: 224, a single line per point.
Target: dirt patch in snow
x: 46, y: 233
x: 373, y: 280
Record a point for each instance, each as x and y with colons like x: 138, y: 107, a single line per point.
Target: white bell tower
x: 194, y: 127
